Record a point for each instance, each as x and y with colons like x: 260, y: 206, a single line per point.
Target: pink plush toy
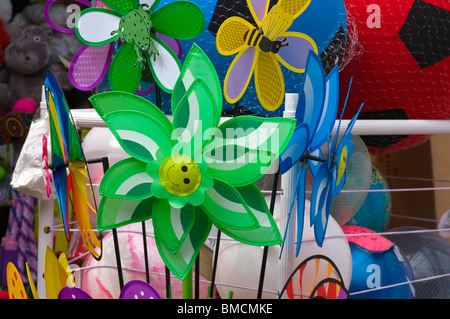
x: 25, y: 105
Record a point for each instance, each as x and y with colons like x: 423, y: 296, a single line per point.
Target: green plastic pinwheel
x: 192, y: 172
x: 134, y: 24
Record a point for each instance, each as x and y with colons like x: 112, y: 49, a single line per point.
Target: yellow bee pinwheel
x: 261, y: 49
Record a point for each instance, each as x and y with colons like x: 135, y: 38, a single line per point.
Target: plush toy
x: 28, y: 59
x: 4, y: 41
x: 6, y: 10
x: 34, y: 49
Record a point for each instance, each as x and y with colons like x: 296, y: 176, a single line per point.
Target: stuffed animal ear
x: 49, y: 33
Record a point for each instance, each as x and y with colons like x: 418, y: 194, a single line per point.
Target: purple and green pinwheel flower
x: 90, y: 64
x: 139, y: 32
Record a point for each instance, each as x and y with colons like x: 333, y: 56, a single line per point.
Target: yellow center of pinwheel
x: 180, y: 175
x: 342, y: 164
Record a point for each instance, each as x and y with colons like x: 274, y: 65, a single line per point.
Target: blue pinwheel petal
x: 321, y: 202
x: 300, y: 208
x: 329, y: 110
x: 298, y: 186
x: 295, y: 148
x: 312, y: 94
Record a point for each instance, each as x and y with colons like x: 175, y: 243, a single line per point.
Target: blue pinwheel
x: 330, y: 176
x: 316, y: 116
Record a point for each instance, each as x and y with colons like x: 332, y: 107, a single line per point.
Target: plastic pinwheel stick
x: 214, y: 270
x: 168, y: 287
x: 197, y: 278
x: 266, y: 248
x: 187, y: 286
x: 119, y: 263
x: 307, y: 156
x: 144, y: 240
x: 187, y: 282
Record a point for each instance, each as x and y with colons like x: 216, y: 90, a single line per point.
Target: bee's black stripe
x: 252, y: 40
x: 250, y: 37
x: 257, y: 37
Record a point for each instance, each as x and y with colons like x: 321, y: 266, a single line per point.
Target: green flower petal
x: 181, y: 262
x: 123, y: 74
x: 126, y: 179
x: 197, y: 65
x: 227, y: 208
x: 267, y: 233
x: 139, y: 135
x: 182, y: 20
x: 238, y: 165
x: 196, y: 101
x: 116, y: 212
x: 244, y: 148
x: 122, y: 6
x: 152, y: 170
x: 194, y: 118
x: 172, y: 225
x: 107, y: 102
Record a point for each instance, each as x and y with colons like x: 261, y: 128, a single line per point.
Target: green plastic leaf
x: 124, y: 74
x: 270, y: 134
x: 101, y: 20
x: 227, y: 208
x: 126, y: 179
x: 117, y: 212
x: 181, y: 262
x: 108, y: 102
x: 243, y: 148
x: 182, y: 20
x: 139, y: 134
x: 194, y: 118
x: 122, y: 6
x: 267, y: 233
x: 197, y: 65
x: 172, y: 225
x: 238, y: 165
